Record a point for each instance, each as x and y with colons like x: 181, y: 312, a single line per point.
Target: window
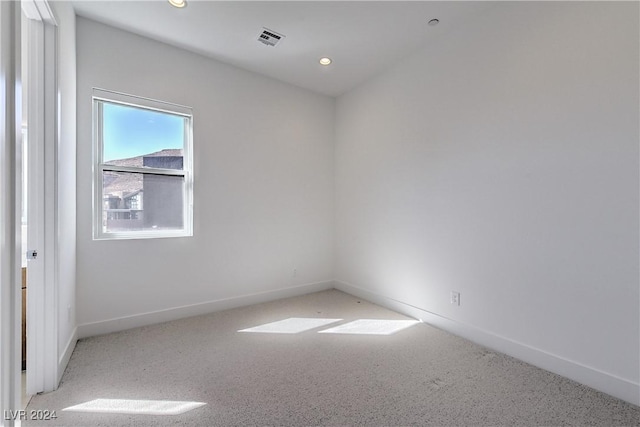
x: 143, y: 182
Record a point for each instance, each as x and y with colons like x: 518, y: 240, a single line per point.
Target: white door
x: 41, y: 125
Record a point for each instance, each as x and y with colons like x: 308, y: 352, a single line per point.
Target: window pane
x: 141, y: 201
x: 139, y: 137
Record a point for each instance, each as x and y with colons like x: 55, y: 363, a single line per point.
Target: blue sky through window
x: 130, y: 132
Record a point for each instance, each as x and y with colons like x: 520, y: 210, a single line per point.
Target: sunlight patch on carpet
x: 136, y: 407
x: 371, y: 327
x: 292, y: 325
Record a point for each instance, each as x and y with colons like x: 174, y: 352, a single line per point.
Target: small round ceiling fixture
x: 178, y: 3
x: 433, y: 22
x: 325, y: 61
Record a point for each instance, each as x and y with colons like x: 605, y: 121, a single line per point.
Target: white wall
x: 263, y: 184
x: 10, y: 170
x: 66, y: 184
x: 502, y: 162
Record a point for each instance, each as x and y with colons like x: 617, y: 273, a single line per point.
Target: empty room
x: 296, y: 213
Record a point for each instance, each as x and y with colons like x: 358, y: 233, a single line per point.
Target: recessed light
x: 325, y: 61
x: 434, y: 22
x: 178, y: 3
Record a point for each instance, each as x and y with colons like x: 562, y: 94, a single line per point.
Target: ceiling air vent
x: 270, y: 38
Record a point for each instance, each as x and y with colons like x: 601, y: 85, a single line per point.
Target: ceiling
x: 362, y: 37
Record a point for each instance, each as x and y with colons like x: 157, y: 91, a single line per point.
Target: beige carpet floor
x: 418, y: 376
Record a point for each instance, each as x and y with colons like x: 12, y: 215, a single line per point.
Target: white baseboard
x: 621, y: 388
x: 144, y: 319
x: 66, y: 354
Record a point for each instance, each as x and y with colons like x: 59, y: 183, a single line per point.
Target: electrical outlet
x: 455, y: 298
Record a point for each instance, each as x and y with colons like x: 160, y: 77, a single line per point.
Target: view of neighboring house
x: 136, y: 201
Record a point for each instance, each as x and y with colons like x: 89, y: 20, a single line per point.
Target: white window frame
x: 101, y: 96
